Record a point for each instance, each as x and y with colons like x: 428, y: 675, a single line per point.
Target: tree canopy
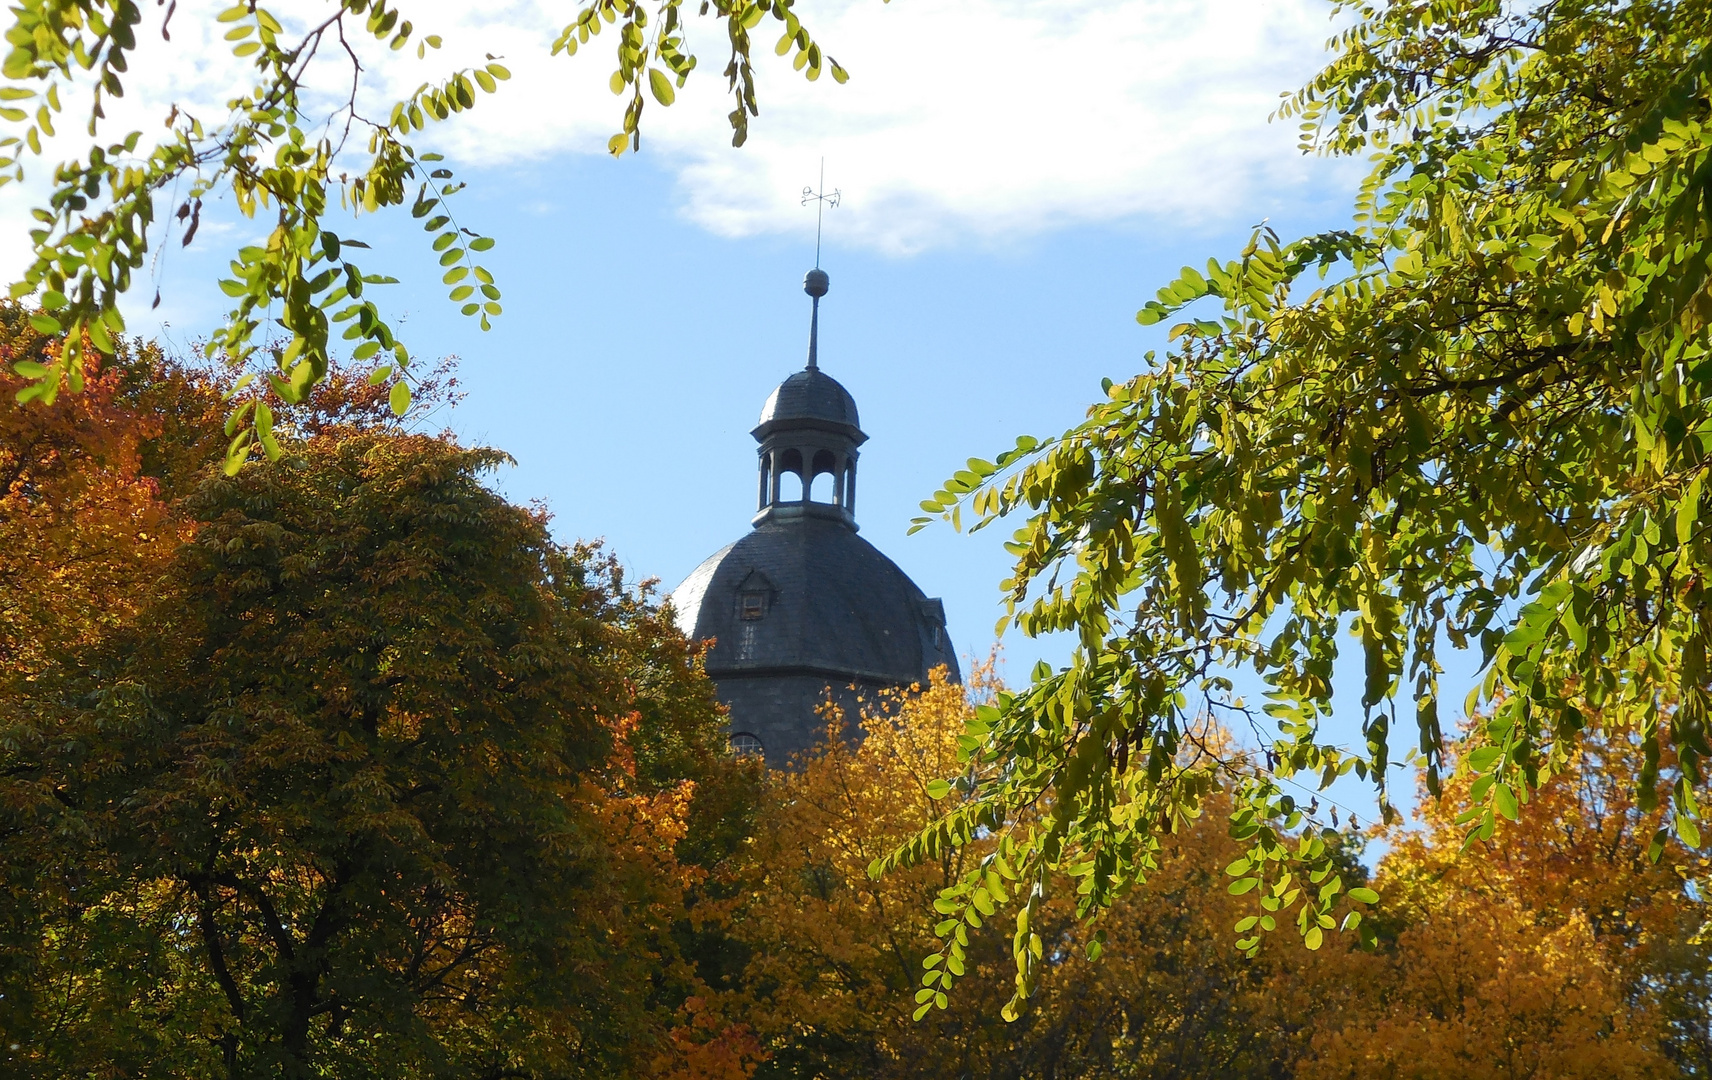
x: 1558, y: 950
x: 355, y: 771
x: 349, y: 770
x: 1477, y: 418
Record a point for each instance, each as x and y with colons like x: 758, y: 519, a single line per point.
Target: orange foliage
x: 837, y: 957
x: 82, y: 526
x: 1529, y: 955
x: 1482, y: 992
x: 839, y: 953
x: 704, y: 1047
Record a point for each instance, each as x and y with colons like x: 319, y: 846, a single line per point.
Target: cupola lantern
x: 809, y: 429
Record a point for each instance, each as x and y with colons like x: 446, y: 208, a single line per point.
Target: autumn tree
x: 832, y: 983
x: 380, y: 780
x: 86, y: 487
x: 834, y: 958
x: 1564, y: 950
x: 1476, y: 419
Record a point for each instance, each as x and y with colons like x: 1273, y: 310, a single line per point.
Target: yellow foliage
x: 1482, y: 992
x: 1529, y: 959
x: 1526, y: 956
x: 837, y: 957
x: 842, y: 951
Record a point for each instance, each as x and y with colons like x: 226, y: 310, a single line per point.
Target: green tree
x: 382, y: 780
x: 280, y: 156
x: 1478, y: 417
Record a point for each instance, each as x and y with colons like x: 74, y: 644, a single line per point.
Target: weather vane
x: 822, y: 199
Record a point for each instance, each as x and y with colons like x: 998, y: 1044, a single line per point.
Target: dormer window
x: 754, y: 597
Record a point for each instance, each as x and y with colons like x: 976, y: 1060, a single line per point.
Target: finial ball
x: 815, y: 283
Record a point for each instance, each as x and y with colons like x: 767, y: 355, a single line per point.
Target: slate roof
x: 810, y: 395
x: 832, y: 605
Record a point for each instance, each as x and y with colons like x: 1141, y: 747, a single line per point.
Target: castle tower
x: 802, y: 606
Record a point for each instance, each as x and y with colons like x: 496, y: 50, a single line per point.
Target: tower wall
x: 787, y: 713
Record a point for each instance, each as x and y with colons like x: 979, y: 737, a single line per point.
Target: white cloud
x: 996, y: 118
x: 964, y: 120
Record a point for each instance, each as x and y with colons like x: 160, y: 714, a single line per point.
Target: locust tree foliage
x: 1477, y: 418
x: 301, y: 293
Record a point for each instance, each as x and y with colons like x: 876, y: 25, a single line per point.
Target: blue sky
x: 1018, y: 177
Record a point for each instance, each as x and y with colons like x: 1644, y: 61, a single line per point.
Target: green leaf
x: 661, y: 86
x: 1482, y: 758
x: 1505, y: 799
x: 1688, y: 830
x: 1688, y: 509
x: 1364, y: 895
x: 399, y: 399
x: 264, y: 431
x: 237, y: 452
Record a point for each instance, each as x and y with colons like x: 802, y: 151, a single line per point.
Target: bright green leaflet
x: 274, y: 158
x: 1478, y: 416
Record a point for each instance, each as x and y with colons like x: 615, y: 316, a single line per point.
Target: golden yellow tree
x: 835, y: 957
x: 1564, y: 951
x: 834, y: 954
x: 1552, y: 951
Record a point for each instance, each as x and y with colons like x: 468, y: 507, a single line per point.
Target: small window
x: 933, y: 613
x: 752, y: 605
x: 744, y: 744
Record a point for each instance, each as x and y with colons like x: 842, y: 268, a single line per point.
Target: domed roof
x: 810, y: 396
x: 804, y: 595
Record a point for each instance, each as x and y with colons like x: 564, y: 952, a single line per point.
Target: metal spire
x: 815, y: 283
